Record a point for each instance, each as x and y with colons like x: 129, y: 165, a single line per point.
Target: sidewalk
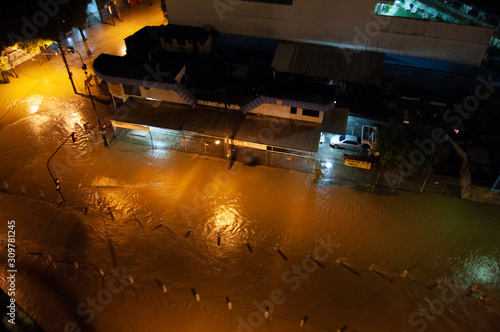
x: 49, y: 79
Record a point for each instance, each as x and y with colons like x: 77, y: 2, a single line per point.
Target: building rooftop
x: 217, y: 122
x: 282, y: 133
x: 184, y: 32
x: 329, y: 62
x: 149, y: 113
x: 129, y: 69
x: 148, y: 38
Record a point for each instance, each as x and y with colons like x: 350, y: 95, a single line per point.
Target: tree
x: 392, y: 142
x: 24, y: 20
x: 397, y: 143
x: 33, y: 45
x: 317, y: 169
x: 3, y: 67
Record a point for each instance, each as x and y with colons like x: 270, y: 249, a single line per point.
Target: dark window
x: 181, y: 42
x: 310, y: 113
x: 278, y: 2
x: 293, y: 110
x: 131, y: 90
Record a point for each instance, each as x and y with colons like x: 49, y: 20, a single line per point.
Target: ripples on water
x: 481, y: 267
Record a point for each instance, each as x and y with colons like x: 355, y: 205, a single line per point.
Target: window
x: 181, y: 42
x: 131, y: 90
x: 277, y: 2
x: 310, y: 113
x: 293, y: 110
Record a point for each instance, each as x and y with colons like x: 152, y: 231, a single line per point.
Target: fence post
x: 184, y: 139
x: 444, y: 188
x: 422, y: 189
x: 151, y: 137
x: 465, y: 192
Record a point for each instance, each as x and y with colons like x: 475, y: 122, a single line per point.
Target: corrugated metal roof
x: 213, y: 121
x: 283, y: 133
x: 329, y: 62
x: 167, y: 115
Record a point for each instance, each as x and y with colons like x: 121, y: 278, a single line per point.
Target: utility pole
x: 67, y: 67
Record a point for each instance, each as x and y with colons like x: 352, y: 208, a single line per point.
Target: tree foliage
x: 392, y: 142
x: 3, y: 65
x: 317, y: 169
x: 33, y: 45
x: 398, y: 147
x: 24, y: 20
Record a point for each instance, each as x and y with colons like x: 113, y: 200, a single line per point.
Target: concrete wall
x: 165, y: 95
x: 206, y: 48
x: 272, y: 110
x: 340, y: 22
x: 280, y: 111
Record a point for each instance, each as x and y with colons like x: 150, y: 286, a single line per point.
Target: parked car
x: 348, y: 142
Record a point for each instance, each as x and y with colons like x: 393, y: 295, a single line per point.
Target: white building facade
x: 341, y: 23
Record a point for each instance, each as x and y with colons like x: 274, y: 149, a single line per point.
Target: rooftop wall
x: 341, y: 22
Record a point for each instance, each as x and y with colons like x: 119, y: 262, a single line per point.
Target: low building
x: 238, y: 90
x: 158, y: 66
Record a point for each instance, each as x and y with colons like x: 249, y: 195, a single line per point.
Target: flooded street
x: 184, y: 227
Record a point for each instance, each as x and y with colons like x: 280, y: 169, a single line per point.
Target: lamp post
x: 87, y: 78
x: 67, y: 67
x: 87, y: 81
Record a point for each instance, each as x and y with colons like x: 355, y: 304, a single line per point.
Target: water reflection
x: 481, y: 267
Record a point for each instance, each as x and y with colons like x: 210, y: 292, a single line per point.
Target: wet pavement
x: 182, y: 225
x: 160, y: 215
